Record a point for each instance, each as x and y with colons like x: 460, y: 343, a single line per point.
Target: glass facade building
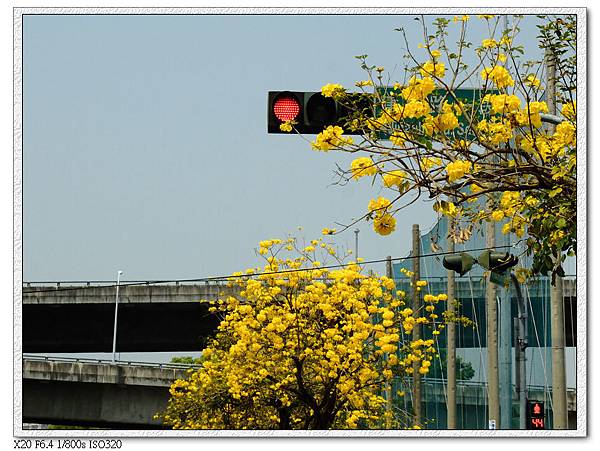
x: 472, y: 403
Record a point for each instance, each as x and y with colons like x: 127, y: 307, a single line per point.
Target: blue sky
x: 145, y: 145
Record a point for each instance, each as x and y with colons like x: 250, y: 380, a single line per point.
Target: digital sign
x: 535, y: 415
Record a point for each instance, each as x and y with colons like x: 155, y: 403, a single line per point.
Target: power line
x: 249, y: 275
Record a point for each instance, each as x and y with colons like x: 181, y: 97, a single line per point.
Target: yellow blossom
x: 489, y: 43
x: 569, y: 110
x: 457, y: 169
x: 427, y: 163
x: 532, y: 80
x: 418, y: 88
x: 503, y: 104
x: 499, y: 75
x: 395, y: 178
x: 446, y: 121
x: 363, y: 166
x: 332, y: 90
x: 363, y: 83
x: 434, y: 68
x: 415, y: 109
x: 330, y: 138
x: 326, y: 321
x: 565, y: 134
x: 379, y: 205
x: 497, y: 215
x: 384, y: 224
x: 399, y: 138
x: 286, y: 126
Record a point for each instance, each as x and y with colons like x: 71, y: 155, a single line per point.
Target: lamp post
x: 114, y: 348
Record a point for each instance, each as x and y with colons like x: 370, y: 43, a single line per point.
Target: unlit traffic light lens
x: 286, y: 108
x: 321, y: 110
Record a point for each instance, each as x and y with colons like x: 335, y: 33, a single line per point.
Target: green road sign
x: 476, y: 110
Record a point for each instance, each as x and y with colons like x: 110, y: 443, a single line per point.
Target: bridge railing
x: 111, y: 283
x: 43, y: 358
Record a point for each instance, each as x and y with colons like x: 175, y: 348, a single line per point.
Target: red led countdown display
x: 535, y: 415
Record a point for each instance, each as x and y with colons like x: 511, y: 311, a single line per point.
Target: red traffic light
x: 286, y: 107
x: 311, y: 112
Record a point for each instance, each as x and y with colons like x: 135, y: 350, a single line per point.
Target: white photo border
x: 582, y: 315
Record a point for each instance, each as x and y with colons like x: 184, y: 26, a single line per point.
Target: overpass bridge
x: 66, y: 317
x: 96, y: 393
x: 126, y: 395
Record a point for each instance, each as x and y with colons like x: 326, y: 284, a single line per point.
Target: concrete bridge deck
x: 84, y: 293
x: 96, y: 393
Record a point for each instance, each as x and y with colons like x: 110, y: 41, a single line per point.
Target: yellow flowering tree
x: 306, y: 346
x: 486, y: 158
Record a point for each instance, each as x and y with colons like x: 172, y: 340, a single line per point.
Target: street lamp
x: 114, y: 348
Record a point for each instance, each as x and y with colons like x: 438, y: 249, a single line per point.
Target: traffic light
x: 459, y: 263
x: 311, y: 111
x: 497, y: 261
x: 535, y: 415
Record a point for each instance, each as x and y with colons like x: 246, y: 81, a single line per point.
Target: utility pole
x: 388, y: 386
x: 416, y: 251
x: 451, y: 341
x: 505, y: 355
x: 559, y: 386
x: 492, y: 338
x: 356, y: 244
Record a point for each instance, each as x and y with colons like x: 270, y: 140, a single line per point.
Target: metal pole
x: 505, y: 361
x: 451, y: 346
x: 559, y: 385
x: 522, y: 358
x: 492, y: 339
x: 356, y: 244
x: 505, y: 345
x: 416, y: 298
x: 114, y: 348
x: 518, y: 363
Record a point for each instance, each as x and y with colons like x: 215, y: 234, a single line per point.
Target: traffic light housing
x: 497, y: 261
x: 535, y: 415
x: 311, y: 111
x: 459, y: 263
